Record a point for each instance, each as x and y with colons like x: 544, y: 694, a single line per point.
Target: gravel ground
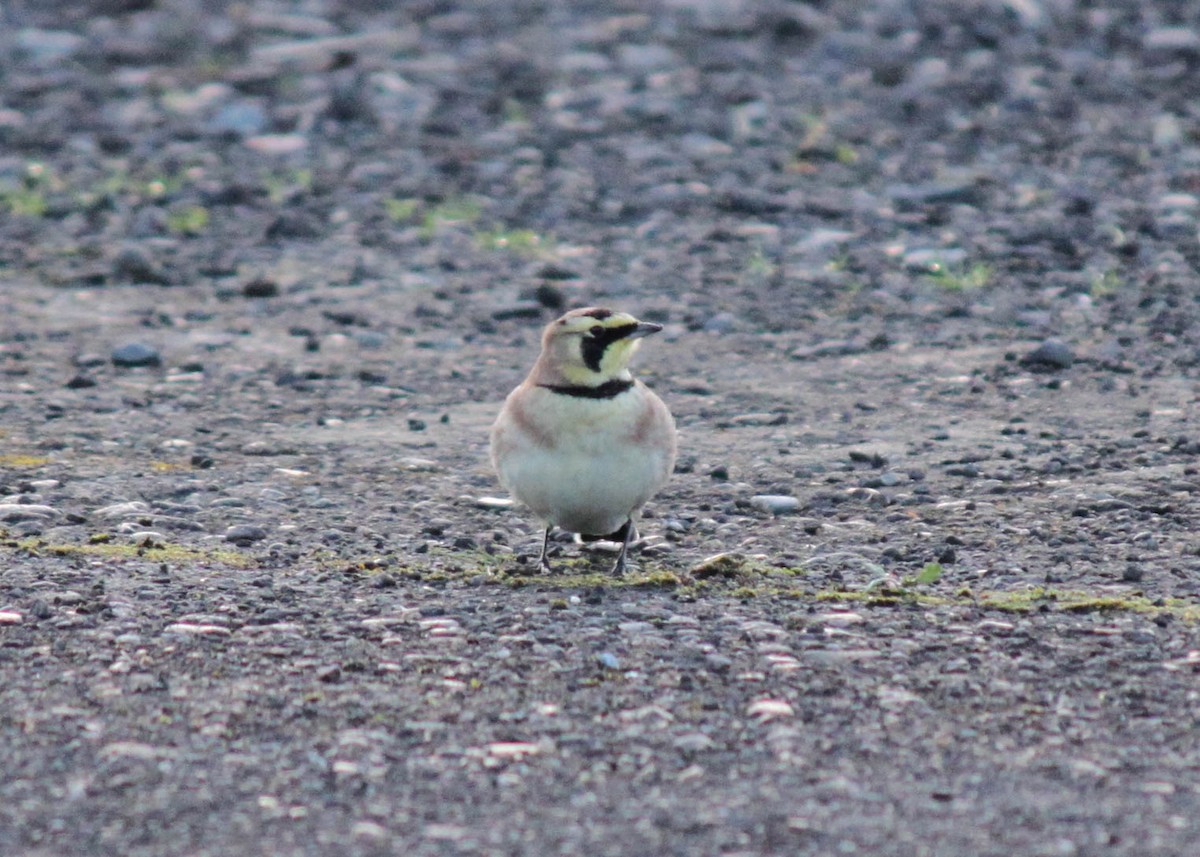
x: 925, y: 582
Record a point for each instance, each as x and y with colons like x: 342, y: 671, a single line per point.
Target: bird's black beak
x: 643, y: 328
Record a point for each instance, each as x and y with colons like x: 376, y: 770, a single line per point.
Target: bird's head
x: 593, y: 345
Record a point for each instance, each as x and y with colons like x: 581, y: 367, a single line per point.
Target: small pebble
x: 277, y: 144
x: 931, y: 260
x: 694, y: 742
x: 121, y: 510
x: 48, y: 46
x: 244, y: 534
x: 775, y: 504
x: 197, y: 629
x: 13, y: 512
x: 720, y: 323
x: 147, y: 538
x: 239, y: 119
x: 769, y: 709
x: 136, y: 354
x: 608, y: 660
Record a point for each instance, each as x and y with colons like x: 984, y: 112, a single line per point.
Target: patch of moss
x: 650, y: 579
x: 19, y: 460
x: 189, y: 220
x: 883, y: 597
x: 523, y: 242
x: 1080, y: 601
x: 160, y: 552
x: 960, y: 279
x: 1022, y: 601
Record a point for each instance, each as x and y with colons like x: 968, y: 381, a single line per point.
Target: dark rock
x: 260, y: 287
x: 1051, y: 356
x: 829, y: 348
x: 969, y: 471
x: 134, y: 264
x: 81, y: 382
x: 295, y: 224
x: 914, y: 195
x: 553, y: 271
x: 549, y: 296
x: 523, y: 309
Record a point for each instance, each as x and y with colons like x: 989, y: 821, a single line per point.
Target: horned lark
x: 581, y: 442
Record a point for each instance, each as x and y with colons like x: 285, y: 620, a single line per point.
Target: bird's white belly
x: 587, y: 488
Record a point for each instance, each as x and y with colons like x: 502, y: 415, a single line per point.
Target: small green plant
x: 515, y: 112
x: 399, y: 209
x: 28, y: 199
x: 956, y: 279
x: 25, y: 202
x: 190, y: 220
x: 838, y: 262
x: 1105, y: 284
x: 281, y: 185
x: 450, y: 212
x: 523, y: 242
x: 931, y: 573
x: 760, y: 265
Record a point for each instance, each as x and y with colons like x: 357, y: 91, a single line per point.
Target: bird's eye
x: 596, y: 331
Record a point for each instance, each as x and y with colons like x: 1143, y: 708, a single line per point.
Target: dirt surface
x: 928, y: 278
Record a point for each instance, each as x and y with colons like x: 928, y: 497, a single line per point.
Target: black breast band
x: 607, y: 390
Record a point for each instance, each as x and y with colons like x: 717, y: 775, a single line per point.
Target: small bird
x: 581, y: 442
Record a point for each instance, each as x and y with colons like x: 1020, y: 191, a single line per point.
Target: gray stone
x: 1183, y: 40
x: 124, y: 510
x: 720, y: 323
x: 133, y: 354
x: 134, y: 264
x: 48, y: 46
x: 244, y: 534
x: 240, y: 119
x: 13, y: 512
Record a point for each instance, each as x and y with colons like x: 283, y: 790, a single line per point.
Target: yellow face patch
x: 595, y: 345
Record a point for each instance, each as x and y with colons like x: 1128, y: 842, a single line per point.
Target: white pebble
x: 775, y: 504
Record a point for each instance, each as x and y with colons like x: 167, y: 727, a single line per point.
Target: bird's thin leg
x: 544, y: 561
x: 619, y: 567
